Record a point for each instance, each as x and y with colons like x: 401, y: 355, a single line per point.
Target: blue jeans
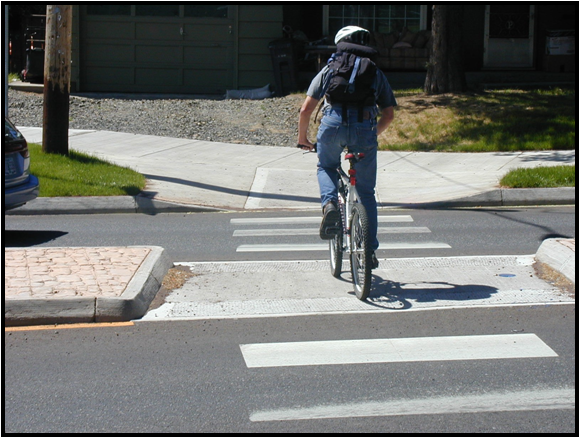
x: 333, y: 136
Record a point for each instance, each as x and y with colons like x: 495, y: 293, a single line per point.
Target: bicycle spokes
x: 360, y: 252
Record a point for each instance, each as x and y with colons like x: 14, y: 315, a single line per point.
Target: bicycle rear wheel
x: 360, y: 252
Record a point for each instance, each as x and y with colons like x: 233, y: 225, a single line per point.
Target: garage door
x: 157, y: 48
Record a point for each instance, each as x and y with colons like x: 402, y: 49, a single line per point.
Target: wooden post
x: 57, y: 67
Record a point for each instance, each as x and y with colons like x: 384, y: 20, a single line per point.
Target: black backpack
x: 351, y: 82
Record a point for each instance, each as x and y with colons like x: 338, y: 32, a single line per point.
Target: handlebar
x: 301, y: 146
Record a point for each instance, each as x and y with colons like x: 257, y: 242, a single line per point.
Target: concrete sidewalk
x: 192, y: 175
x: 63, y: 285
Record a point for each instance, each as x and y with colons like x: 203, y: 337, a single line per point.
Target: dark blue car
x: 20, y: 186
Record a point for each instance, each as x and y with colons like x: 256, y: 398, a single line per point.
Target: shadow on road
x: 25, y: 238
x: 387, y: 294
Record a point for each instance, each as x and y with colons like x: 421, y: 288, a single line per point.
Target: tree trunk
x: 445, y: 70
x: 57, y: 66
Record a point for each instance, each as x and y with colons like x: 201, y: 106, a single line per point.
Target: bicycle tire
x: 336, y: 244
x: 360, y: 252
x: 336, y: 252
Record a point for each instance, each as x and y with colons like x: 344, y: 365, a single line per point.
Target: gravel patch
x: 268, y: 122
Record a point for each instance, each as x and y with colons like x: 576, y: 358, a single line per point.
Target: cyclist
x: 348, y: 124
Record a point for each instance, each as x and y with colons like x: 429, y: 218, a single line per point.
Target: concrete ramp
x: 265, y: 289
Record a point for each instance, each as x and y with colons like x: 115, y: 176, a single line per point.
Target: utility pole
x: 57, y: 72
x: 6, y: 62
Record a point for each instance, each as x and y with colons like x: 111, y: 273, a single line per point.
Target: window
x: 157, y: 10
x: 109, y: 9
x: 206, y: 11
x: 147, y: 10
x: 509, y: 21
x: 378, y: 18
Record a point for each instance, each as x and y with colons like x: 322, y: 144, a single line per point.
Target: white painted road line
x: 395, y: 350
x: 402, y: 230
x: 528, y: 400
x: 283, y: 247
x: 414, y: 245
x: 308, y: 220
x: 324, y: 246
x: 316, y: 231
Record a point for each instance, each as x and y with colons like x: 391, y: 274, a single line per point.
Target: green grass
x: 549, y: 176
x: 490, y: 121
x: 79, y: 174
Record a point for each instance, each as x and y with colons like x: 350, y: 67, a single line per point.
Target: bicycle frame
x: 354, y: 237
x: 348, y: 195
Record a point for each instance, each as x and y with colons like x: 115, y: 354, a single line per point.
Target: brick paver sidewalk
x: 70, y: 272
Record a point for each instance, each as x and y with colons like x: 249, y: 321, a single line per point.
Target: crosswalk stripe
x: 324, y: 246
x: 357, y: 351
x: 283, y: 247
x: 316, y: 231
x: 525, y: 400
x: 308, y: 220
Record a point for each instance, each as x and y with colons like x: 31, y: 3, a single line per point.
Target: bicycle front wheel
x: 360, y: 252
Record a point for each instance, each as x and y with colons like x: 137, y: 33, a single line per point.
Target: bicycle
x: 352, y: 236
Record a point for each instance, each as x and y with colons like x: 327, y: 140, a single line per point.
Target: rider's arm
x: 305, y: 113
x: 385, y: 100
x: 387, y: 116
x: 313, y: 95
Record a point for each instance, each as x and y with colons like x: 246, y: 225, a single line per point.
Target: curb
x: 132, y: 304
x: 510, y: 198
x: 145, y: 205
x: 558, y: 254
x: 539, y: 196
x: 105, y: 205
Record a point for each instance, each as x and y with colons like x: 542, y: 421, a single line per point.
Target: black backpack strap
x: 331, y: 73
x: 351, y: 89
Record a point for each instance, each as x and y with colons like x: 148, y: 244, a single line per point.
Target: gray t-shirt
x: 384, y: 96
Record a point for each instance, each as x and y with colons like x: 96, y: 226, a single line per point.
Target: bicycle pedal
x: 328, y: 233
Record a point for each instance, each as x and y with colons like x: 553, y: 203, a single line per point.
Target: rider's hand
x: 306, y: 146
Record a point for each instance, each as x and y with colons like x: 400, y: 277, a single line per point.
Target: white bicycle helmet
x: 353, y: 34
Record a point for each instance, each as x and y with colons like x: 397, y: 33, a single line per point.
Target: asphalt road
x: 471, y: 370
x: 194, y: 377
x: 219, y: 236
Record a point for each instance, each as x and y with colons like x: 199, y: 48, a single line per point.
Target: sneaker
x: 330, y: 225
x: 374, y: 261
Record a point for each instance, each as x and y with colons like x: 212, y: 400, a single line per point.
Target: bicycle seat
x: 352, y: 155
